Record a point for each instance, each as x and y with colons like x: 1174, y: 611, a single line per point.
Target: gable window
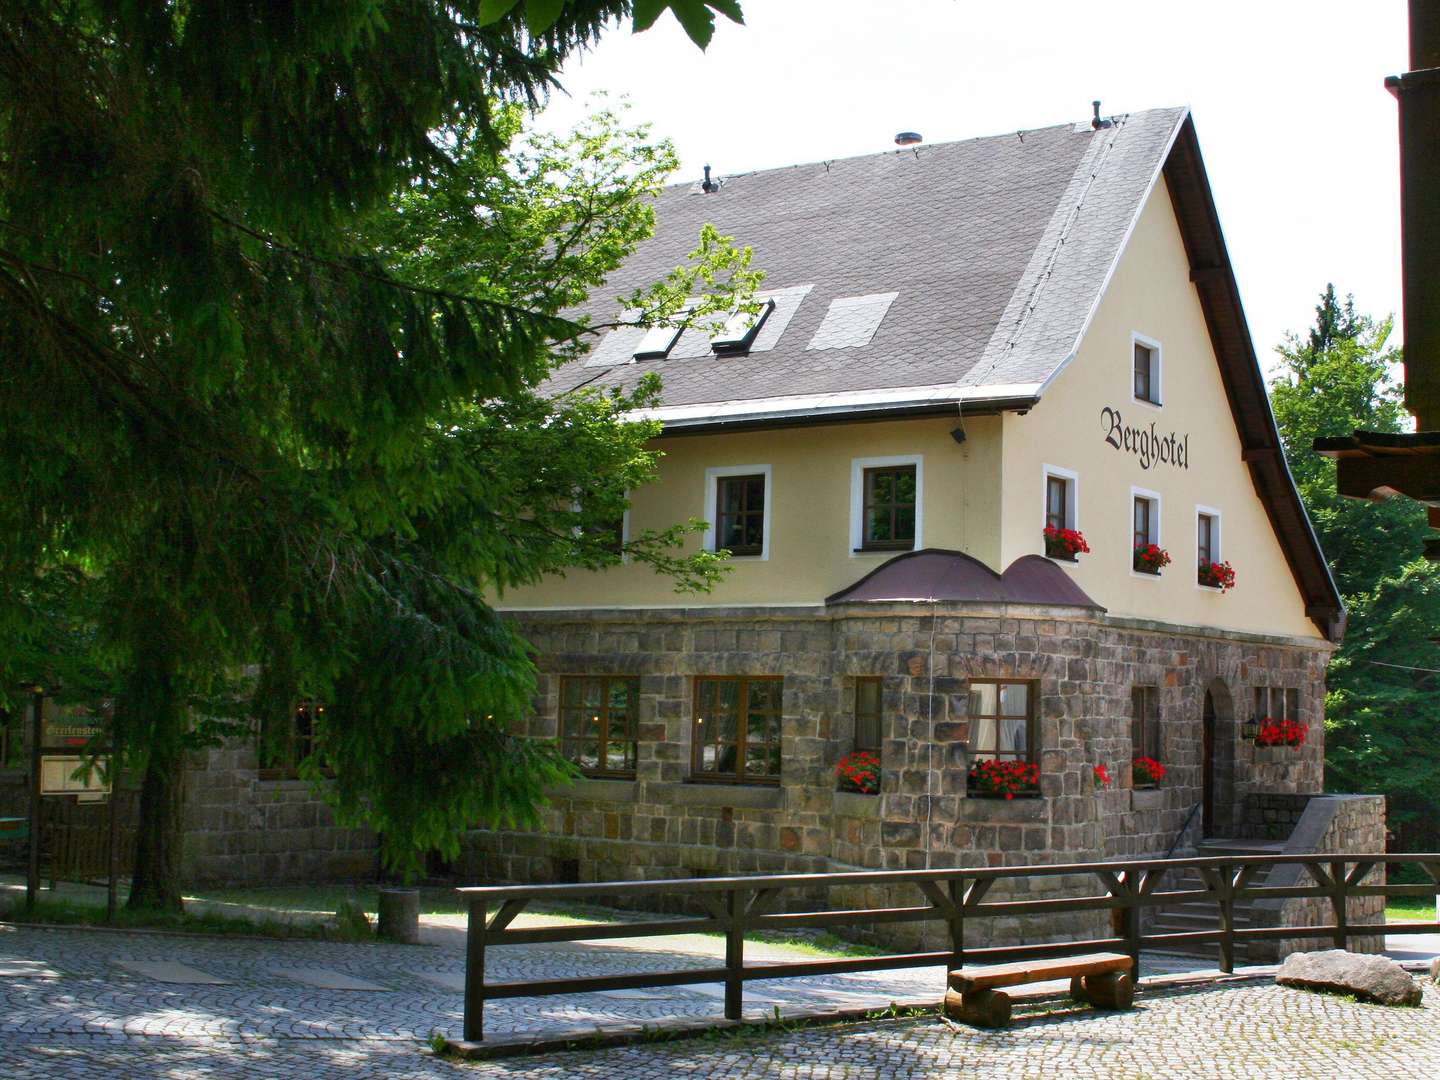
x: 1144, y: 724
x: 1147, y: 555
x: 598, y: 715
x: 1057, y: 502
x: 286, y: 743
x: 737, y: 506
x: 1146, y: 369
x: 735, y: 735
x: 1002, y: 720
x: 1207, y: 539
x: 886, y: 503
x: 1146, y: 532
x: 868, y: 696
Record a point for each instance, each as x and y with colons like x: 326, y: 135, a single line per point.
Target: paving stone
x: 23, y: 969
x: 325, y: 979
x: 168, y: 971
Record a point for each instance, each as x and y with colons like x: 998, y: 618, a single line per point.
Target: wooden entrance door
x: 1207, y: 766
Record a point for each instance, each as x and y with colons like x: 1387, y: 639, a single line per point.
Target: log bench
x: 975, y: 997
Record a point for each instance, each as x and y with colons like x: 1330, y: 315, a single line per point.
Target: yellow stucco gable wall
x: 1150, y: 294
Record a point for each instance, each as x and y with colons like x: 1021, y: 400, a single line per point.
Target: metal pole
x: 114, y: 853
x: 475, y: 972
x: 32, y: 875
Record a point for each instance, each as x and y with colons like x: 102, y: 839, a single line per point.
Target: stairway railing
x: 1170, y: 851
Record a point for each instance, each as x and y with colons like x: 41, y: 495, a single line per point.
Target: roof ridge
x: 1021, y: 132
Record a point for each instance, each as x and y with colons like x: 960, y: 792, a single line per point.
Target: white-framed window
x: 1145, y: 527
x: 1060, y: 505
x: 1145, y: 360
x: 737, y: 510
x: 741, y: 327
x: 887, y: 501
x: 1207, y: 536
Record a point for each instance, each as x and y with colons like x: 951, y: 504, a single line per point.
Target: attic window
x: 658, y: 341
x: 741, y: 328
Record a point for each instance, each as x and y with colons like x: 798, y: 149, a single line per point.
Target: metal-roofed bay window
x: 741, y: 328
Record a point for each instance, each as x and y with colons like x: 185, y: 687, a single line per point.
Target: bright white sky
x: 1297, y: 129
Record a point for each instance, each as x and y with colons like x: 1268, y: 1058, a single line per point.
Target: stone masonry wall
x: 242, y: 830
x: 660, y: 825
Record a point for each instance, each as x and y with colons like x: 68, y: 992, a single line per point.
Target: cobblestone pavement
x: 77, y: 1003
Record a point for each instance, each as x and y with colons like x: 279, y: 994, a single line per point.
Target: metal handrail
x: 736, y: 906
x: 1183, y: 828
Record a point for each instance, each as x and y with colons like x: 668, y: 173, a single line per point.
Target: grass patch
x: 69, y: 913
x: 1407, y: 909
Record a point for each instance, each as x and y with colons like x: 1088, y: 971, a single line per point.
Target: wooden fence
x: 736, y: 906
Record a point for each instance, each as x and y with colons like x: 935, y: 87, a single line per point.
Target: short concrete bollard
x: 400, y: 915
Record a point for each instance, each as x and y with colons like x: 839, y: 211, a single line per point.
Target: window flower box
x: 859, y: 771
x: 1150, y: 558
x: 1066, y: 544
x: 996, y: 779
x: 1281, y: 733
x: 1215, y: 575
x: 1146, y: 772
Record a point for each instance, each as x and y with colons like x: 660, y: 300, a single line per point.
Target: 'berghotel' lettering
x: 1145, y: 443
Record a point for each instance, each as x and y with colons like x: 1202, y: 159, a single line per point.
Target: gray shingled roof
x: 998, y: 250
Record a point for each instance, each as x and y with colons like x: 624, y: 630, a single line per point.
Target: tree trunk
x: 158, y: 838
x: 159, y: 716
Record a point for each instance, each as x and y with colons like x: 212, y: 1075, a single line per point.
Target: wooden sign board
x: 58, y: 776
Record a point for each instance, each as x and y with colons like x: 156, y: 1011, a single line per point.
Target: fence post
x: 1338, y: 897
x: 475, y: 972
x: 957, y: 924
x: 1132, y: 920
x: 734, y: 953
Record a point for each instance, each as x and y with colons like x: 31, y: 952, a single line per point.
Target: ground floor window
x: 598, y: 716
x: 1278, y: 703
x: 284, y: 744
x: 1002, y: 737
x: 1144, y: 730
x: 868, y: 690
x: 736, y: 729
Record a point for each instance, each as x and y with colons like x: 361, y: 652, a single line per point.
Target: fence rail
x: 735, y: 906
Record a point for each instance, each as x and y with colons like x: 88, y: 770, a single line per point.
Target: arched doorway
x: 1217, y: 760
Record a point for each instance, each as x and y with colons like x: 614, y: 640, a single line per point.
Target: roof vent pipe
x: 1096, y: 122
x: 707, y: 185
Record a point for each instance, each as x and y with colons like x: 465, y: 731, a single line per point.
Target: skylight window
x: 658, y: 341
x: 741, y: 328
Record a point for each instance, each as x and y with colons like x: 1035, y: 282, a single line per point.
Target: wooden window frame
x: 1152, y: 368
x: 864, y: 717
x: 604, y: 718
x: 866, y: 505
x: 738, y: 776
x: 1032, y: 725
x: 1146, y: 725
x: 715, y: 478
x: 1054, y: 482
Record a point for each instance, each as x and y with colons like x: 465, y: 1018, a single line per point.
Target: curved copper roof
x: 936, y: 574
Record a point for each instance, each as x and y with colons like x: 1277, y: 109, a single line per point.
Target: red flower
x: 1217, y: 575
x: 1149, y: 558
x: 1005, y: 778
x: 860, y: 771
x: 1102, y: 776
x: 1147, y: 770
x: 1065, y: 543
x: 1281, y: 732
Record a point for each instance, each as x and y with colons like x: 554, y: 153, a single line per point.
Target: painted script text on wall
x: 1145, y: 443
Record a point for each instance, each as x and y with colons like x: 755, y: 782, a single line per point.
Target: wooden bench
x: 975, y: 997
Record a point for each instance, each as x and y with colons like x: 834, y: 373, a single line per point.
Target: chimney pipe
x: 707, y: 185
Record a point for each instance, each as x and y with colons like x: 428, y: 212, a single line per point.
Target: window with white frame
x: 1146, y: 361
x: 1061, y: 497
x: 1207, y: 537
x: 1145, y: 521
x: 887, y: 503
x: 737, y: 508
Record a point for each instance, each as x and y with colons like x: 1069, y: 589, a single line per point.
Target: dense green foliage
x: 1382, y: 726
x: 278, y: 286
